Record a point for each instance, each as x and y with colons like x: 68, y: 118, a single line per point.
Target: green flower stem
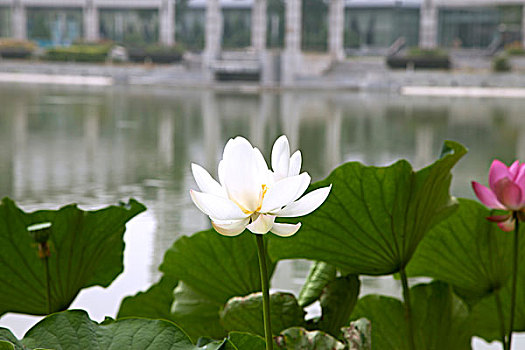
x: 514, y: 277
x: 499, y: 307
x: 48, y: 285
x: 265, y: 292
x: 408, y: 309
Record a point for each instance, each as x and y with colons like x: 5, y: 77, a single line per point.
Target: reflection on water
x: 99, y: 147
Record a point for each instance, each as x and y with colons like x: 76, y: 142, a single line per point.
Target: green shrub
x: 156, y: 53
x: 11, y: 48
x: 420, y: 58
x: 501, y: 64
x: 419, y: 52
x: 79, y: 53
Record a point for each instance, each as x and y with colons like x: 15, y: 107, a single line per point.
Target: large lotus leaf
x: 467, y: 251
x: 5, y: 345
x: 320, y: 275
x: 337, y: 302
x: 244, y: 341
x: 9, y: 341
x: 245, y: 313
x: 155, y: 303
x: 175, y: 301
x: 215, y: 266
x: 440, y: 319
x: 485, y: 315
x: 389, y: 329
x: 299, y: 338
x: 196, y: 313
x: 86, y: 249
x: 73, y: 330
x: 374, y: 217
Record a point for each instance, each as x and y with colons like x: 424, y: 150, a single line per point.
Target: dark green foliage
x: 320, y: 275
x: 374, y: 218
x: 501, y: 64
x: 79, y: 53
x: 85, y: 249
x: 244, y: 313
x: 441, y: 319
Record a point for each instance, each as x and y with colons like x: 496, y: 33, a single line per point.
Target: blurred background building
x: 338, y: 26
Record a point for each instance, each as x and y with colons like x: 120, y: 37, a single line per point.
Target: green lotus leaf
x: 319, y: 276
x: 467, y: 251
x: 85, y: 249
x: 299, y: 338
x: 155, y: 303
x: 485, y: 314
x: 245, y: 313
x: 375, y: 217
x: 337, y: 302
x: 215, y: 266
x: 244, y: 341
x: 5, y: 345
x: 440, y: 319
x: 74, y: 330
x: 196, y: 313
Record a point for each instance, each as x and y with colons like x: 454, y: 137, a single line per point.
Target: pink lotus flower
x: 506, y: 192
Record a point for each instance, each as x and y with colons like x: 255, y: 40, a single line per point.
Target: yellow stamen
x: 261, y: 197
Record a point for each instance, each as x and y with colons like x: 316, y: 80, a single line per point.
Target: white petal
x: 239, y: 141
x: 262, y: 225
x: 305, y: 205
x: 206, y: 183
x: 230, y: 228
x: 285, y: 192
x: 285, y: 230
x: 240, y: 176
x: 281, y: 157
x: 295, y: 164
x: 220, y: 171
x: 217, y: 207
x: 262, y: 167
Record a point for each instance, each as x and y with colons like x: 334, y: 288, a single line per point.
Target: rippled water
x: 97, y: 147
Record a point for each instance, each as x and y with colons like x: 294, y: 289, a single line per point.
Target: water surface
x: 97, y: 147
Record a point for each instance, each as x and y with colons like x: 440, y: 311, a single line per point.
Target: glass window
x: 315, y: 26
x: 5, y: 22
x: 129, y: 26
x: 190, y: 27
x: 237, y: 28
x: 380, y: 27
x: 275, y: 24
x: 54, y: 27
x: 469, y: 28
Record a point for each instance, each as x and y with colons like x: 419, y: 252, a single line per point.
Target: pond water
x: 97, y: 147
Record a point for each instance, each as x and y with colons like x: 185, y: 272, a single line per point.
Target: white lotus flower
x: 250, y: 195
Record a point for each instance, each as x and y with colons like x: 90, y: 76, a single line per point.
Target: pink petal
x: 497, y: 171
x: 513, y: 169
x: 508, y: 225
x: 486, y: 196
x: 508, y: 194
x: 499, y: 218
x: 520, y: 178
